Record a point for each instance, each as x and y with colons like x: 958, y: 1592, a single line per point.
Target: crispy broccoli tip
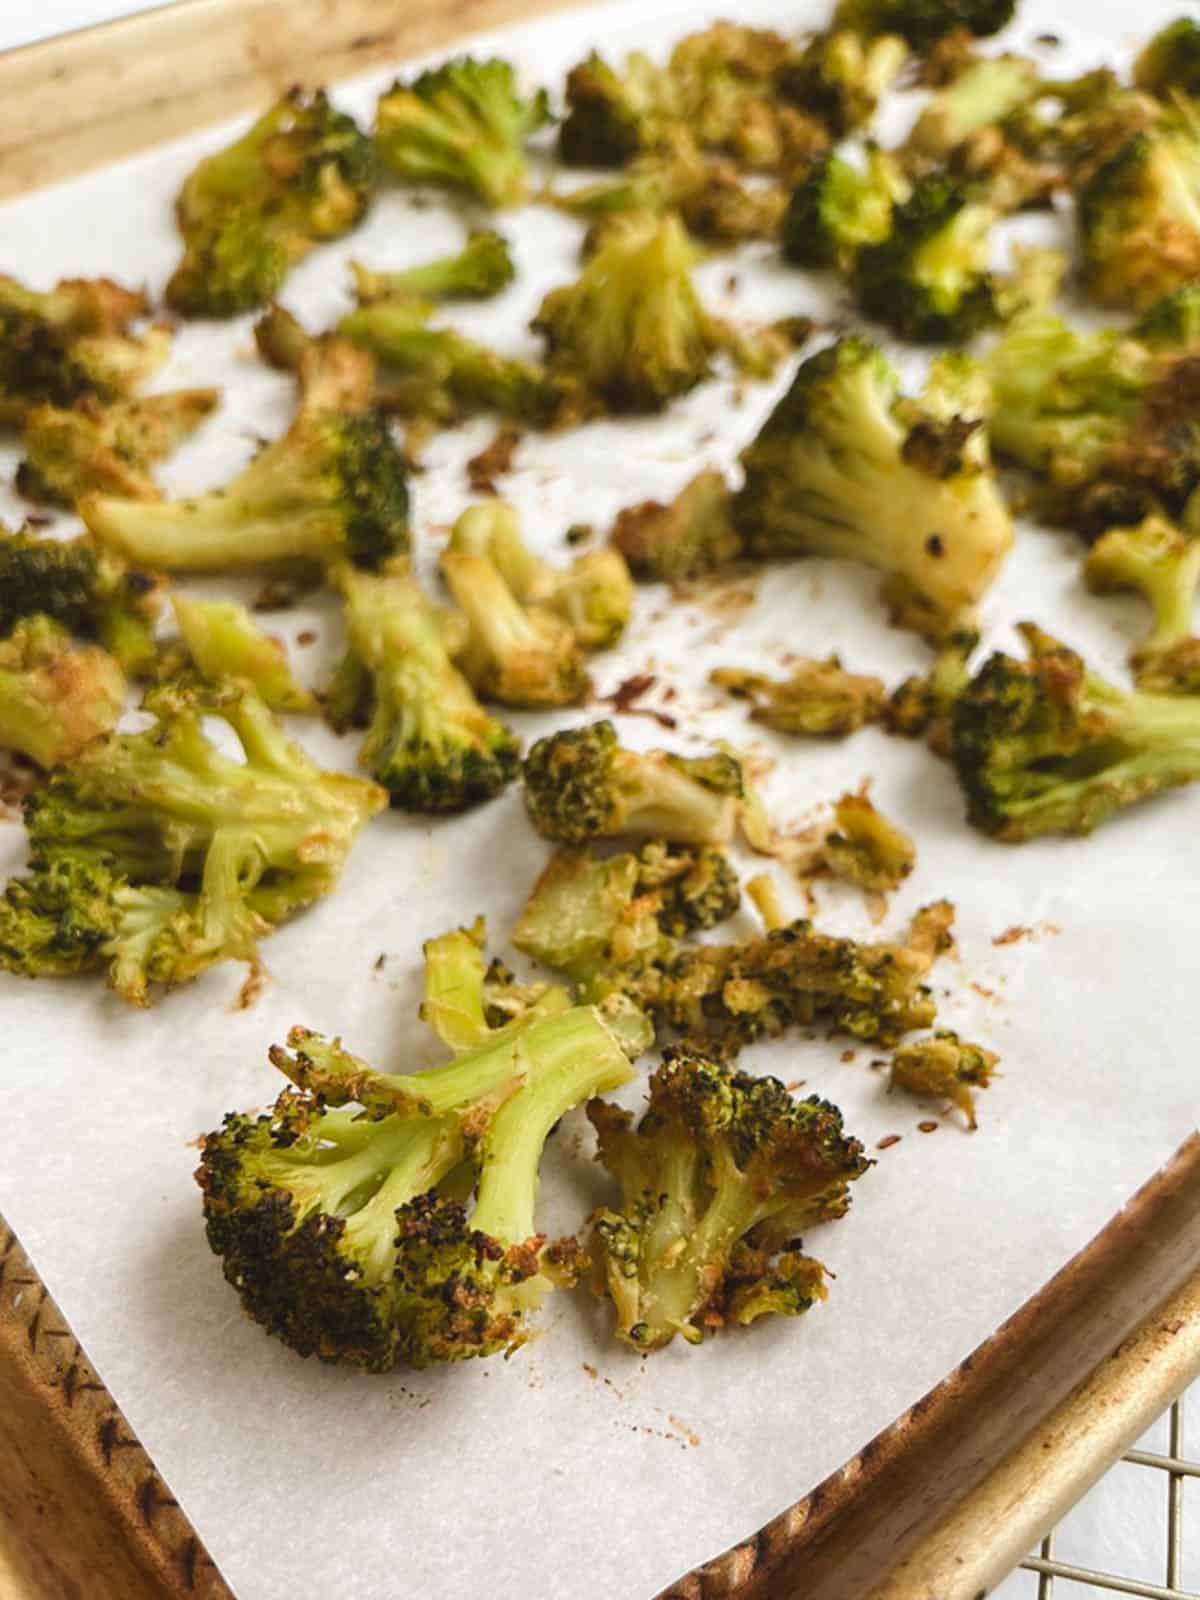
x: 303, y: 173
x: 1139, y: 215
x: 581, y: 785
x: 282, y: 339
x: 429, y: 741
x: 223, y: 643
x: 1047, y: 746
x: 944, y: 1067
x: 844, y: 466
x: 1162, y: 563
x: 467, y: 1000
x: 683, y: 538
x: 920, y: 707
x: 106, y: 449
x: 718, y: 1180
x: 924, y: 22
x: 343, y: 1234
x: 55, y: 696
x: 841, y: 76
x: 1169, y: 63
x: 867, y: 849
x: 481, y: 270
x: 837, y: 208
x: 818, y: 699
x: 463, y: 125
x: 154, y: 856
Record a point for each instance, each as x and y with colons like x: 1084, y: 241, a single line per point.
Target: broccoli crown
x: 302, y: 173
x: 611, y: 118
x: 55, y: 577
x: 480, y: 270
x: 924, y: 22
x: 1139, y: 217
x: 690, y: 536
x: 842, y: 467
x: 717, y: 1180
x: 429, y: 741
x: 581, y: 785
x: 463, y: 124
x: 1170, y: 61
x: 55, y: 697
x: 842, y: 74
x: 59, y: 920
x: 818, y: 699
x: 944, y: 1067
x: 1162, y: 563
x: 1173, y: 321
x: 867, y: 849
x: 928, y: 278
x: 1048, y: 746
x: 340, y: 1231
x: 834, y: 211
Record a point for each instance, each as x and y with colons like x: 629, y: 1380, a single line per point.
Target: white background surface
x: 944, y: 1239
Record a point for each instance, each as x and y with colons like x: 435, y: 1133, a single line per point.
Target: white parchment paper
x: 575, y: 1468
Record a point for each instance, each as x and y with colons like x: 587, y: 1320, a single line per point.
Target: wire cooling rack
x: 1059, y: 1579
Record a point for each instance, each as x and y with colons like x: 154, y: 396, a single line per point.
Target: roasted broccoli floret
x: 684, y: 538
x: 866, y: 848
x: 301, y: 174
x: 1139, y: 215
x: 581, y: 785
x: 924, y: 22
x: 841, y: 76
x: 223, y: 642
x: 339, y: 1228
x: 55, y: 696
x: 429, y: 741
x: 1048, y: 746
x: 1162, y: 563
x: 1172, y: 323
x: 844, y: 466
x: 921, y: 706
x: 468, y: 1000
x: 333, y: 487
x: 980, y: 97
x: 944, y: 1067
x: 1169, y: 63
x: 612, y: 117
x: 479, y: 271
x: 837, y: 208
x: 109, y: 449
x: 719, y: 1178
x: 71, y: 343
x: 817, y: 699
x: 462, y: 125
x: 154, y: 856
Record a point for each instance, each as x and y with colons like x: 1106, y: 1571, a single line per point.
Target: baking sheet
x: 576, y: 1468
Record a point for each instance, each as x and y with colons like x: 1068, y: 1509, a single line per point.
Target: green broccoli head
x: 924, y: 22
x: 842, y: 75
x: 944, y: 1067
x: 482, y: 269
x: 580, y: 784
x: 1139, y: 216
x: 1162, y: 563
x: 844, y: 467
x: 612, y: 117
x: 818, y: 699
x: 836, y: 209
x: 719, y: 1178
x: 302, y: 173
x: 1169, y: 63
x: 429, y: 741
x: 55, y: 696
x: 1047, y: 746
x: 683, y: 538
x: 462, y: 125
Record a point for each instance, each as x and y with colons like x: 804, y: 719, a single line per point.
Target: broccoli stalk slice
x: 55, y: 696
x: 482, y: 269
x: 1162, y: 563
x: 818, y: 699
x: 223, y: 643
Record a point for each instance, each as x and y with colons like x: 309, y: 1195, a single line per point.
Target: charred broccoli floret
x: 944, y: 1067
x: 462, y: 125
x: 921, y: 706
x: 612, y: 117
x: 429, y: 741
x: 817, y: 699
x: 338, y: 1228
x: 1169, y: 63
x: 55, y: 696
x: 481, y: 269
x: 684, y: 538
x: 222, y: 642
x: 301, y: 174
x: 468, y: 1000
x: 1048, y: 746
x: 333, y: 487
x: 842, y: 75
x: 844, y: 466
x: 719, y: 1178
x: 70, y: 452
x: 154, y: 856
x: 581, y: 785
x: 866, y: 848
x: 1162, y: 563
x: 71, y: 343
x: 924, y: 22
x: 837, y: 208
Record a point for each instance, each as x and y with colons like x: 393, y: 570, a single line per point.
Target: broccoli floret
x: 581, y: 785
x: 866, y: 848
x: 479, y: 271
x: 612, y: 117
x: 1172, y: 323
x: 717, y: 1181
x: 467, y: 1000
x: 928, y: 279
x: 1048, y: 746
x: 1139, y: 216
x: 462, y: 125
x: 159, y: 856
x: 1169, y: 63
x: 841, y: 76
x: 836, y: 209
x: 689, y: 536
x: 924, y: 22
x: 107, y: 449
x: 1162, y: 563
x: 944, y: 1067
x: 339, y: 1230
x: 71, y: 343
x: 818, y: 699
x: 985, y: 94
x: 429, y: 741
x: 55, y: 696
x: 921, y: 706
x: 223, y: 642
x: 334, y: 486
x: 844, y: 466
x: 301, y: 174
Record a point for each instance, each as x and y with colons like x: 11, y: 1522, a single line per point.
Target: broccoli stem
x: 660, y: 801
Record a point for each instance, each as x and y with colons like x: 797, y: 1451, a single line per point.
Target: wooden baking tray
x: 941, y: 1504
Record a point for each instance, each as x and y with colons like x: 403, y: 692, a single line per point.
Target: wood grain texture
x: 84, y: 1515
x: 91, y: 97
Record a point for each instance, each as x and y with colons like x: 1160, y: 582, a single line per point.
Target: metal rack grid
x: 1177, y: 1468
